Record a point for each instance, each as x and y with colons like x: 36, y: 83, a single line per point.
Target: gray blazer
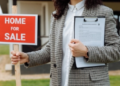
x: 94, y: 76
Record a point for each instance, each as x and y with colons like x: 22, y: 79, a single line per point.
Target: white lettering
x: 12, y: 21
x: 15, y: 20
x: 12, y: 37
x: 6, y: 20
x: 23, y: 20
x: 15, y: 28
x: 7, y: 36
x: 16, y: 36
x: 23, y: 37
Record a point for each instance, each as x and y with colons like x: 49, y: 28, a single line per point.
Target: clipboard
x: 88, y: 30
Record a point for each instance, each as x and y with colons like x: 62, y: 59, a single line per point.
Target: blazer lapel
x: 60, y: 26
x: 59, y: 42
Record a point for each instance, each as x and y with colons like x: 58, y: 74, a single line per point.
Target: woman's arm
x: 111, y: 51
x: 41, y: 56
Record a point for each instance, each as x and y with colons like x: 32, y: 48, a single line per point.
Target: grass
x: 44, y: 82
x: 114, y: 81
x: 4, y: 49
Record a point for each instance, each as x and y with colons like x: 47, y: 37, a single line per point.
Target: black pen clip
x: 85, y: 20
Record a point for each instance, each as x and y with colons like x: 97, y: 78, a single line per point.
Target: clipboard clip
x: 87, y: 20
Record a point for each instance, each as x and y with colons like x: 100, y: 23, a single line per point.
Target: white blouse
x: 68, y: 30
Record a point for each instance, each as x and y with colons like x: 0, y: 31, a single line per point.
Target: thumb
x: 18, y: 54
x: 74, y: 41
x: 13, y: 53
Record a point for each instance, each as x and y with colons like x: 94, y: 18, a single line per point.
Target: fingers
x: 13, y: 53
x: 18, y: 57
x: 72, y: 50
x: 15, y: 57
x: 16, y: 53
x: 71, y: 45
x: 74, y: 41
x: 15, y: 60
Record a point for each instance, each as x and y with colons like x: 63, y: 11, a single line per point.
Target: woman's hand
x: 19, y: 56
x: 78, y: 49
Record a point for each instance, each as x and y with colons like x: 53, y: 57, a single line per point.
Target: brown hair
x: 60, y: 6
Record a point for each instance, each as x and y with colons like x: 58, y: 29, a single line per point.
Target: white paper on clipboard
x: 90, y: 31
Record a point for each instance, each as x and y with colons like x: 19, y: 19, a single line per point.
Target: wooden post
x: 17, y: 68
x: 14, y: 9
x: 16, y: 49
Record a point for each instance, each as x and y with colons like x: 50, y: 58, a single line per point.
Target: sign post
x: 17, y: 68
x: 18, y: 29
x: 16, y: 49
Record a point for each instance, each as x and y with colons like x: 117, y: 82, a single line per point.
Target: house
x: 44, y: 8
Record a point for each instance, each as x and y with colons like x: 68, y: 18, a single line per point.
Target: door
x: 29, y: 48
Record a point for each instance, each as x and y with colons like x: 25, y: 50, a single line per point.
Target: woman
x: 57, y: 51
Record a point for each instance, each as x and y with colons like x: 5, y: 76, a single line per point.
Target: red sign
x: 18, y: 29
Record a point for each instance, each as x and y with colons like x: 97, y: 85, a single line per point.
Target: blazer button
x: 55, y: 65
